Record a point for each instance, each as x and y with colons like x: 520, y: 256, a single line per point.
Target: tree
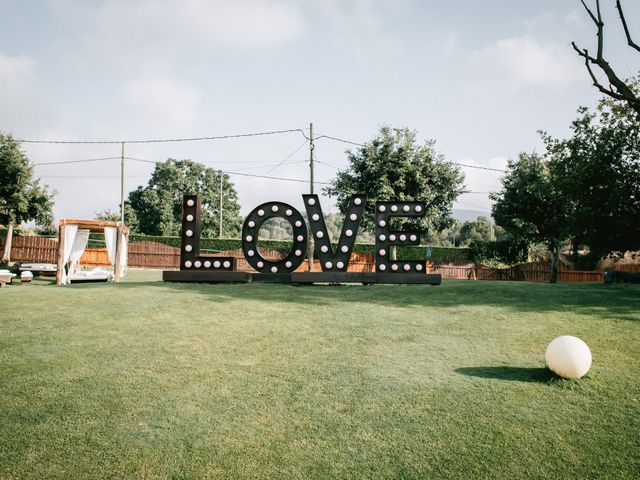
x: 157, y: 208
x: 618, y: 88
x: 531, y: 207
x: 108, y: 215
x: 392, y: 166
x: 477, y: 230
x: 598, y: 168
x: 448, y: 237
x: 22, y: 198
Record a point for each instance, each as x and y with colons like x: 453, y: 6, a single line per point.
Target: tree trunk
x: 393, y: 252
x: 6, y: 256
x: 555, y: 260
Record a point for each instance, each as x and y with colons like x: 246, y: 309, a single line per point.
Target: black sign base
x: 300, y: 277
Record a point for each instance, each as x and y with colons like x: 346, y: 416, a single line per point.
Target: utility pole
x: 122, y: 185
x: 220, y: 231
x: 311, y: 148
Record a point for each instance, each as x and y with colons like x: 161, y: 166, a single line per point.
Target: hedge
x: 438, y: 254
x: 496, y: 254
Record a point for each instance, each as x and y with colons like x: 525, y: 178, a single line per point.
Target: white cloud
x: 165, y: 103
x: 169, y: 25
x: 530, y: 61
x: 14, y: 71
x: 450, y: 43
x: 360, y: 26
x: 22, y: 107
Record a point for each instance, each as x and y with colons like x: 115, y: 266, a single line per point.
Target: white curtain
x: 69, y: 239
x: 111, y: 239
x: 79, y: 245
x: 123, y: 254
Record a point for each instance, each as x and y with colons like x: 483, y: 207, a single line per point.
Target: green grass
x: 146, y: 379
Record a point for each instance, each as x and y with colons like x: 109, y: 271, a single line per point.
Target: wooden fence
x: 531, y: 272
x: 153, y: 255
x: 33, y: 249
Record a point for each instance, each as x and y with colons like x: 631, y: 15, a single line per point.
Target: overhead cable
x: 169, y: 140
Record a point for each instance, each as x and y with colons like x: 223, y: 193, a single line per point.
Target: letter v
x: 337, y: 261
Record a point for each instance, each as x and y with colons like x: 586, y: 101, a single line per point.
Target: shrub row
x: 438, y: 254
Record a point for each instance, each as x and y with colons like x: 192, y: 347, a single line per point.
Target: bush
x: 438, y: 254
x: 494, y: 254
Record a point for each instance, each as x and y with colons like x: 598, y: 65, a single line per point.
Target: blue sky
x: 478, y: 77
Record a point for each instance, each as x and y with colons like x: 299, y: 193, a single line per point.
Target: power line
x: 362, y: 145
x: 228, y: 172
x: 92, y: 176
x: 287, y: 158
x: 168, y: 140
x: 262, y: 166
x: 329, y: 164
x: 479, y: 168
x: 340, y: 140
x: 78, y: 161
x: 275, y: 178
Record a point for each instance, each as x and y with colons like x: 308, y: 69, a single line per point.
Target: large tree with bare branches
x: 618, y: 88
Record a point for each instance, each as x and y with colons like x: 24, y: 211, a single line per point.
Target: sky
x: 479, y: 78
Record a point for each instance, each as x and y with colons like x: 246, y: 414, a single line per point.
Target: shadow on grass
x: 518, y: 374
x: 621, y: 302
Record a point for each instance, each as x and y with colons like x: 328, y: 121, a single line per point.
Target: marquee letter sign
x: 334, y: 260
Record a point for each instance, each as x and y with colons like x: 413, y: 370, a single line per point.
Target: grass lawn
x: 146, y: 379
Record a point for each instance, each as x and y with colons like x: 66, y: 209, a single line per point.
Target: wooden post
x: 116, y: 268
x: 60, y: 253
x: 122, y: 185
x: 310, y: 243
x: 126, y: 239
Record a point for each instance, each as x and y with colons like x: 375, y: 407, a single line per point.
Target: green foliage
x: 474, y: 231
x: 530, y: 205
x: 438, y: 255
x: 585, y: 190
x: 22, y: 198
x: 392, y: 166
x: 598, y: 169
x: 157, y: 208
x: 499, y: 253
x: 108, y: 215
x: 280, y: 229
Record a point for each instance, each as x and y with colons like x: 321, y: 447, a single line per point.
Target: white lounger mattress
x: 95, y: 275
x: 39, y: 267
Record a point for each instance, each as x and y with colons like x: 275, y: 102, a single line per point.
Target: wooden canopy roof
x: 93, y: 225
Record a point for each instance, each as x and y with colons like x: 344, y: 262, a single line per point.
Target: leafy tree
x: 531, y: 206
x: 392, y: 166
x: 22, y: 198
x: 448, y: 237
x: 108, y: 215
x: 157, y: 208
x: 477, y: 230
x: 598, y: 169
x: 280, y: 229
x: 500, y: 233
x: 276, y: 229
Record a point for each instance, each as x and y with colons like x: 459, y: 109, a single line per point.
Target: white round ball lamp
x: 568, y: 357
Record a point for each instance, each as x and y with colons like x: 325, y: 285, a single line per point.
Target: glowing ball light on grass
x: 568, y: 357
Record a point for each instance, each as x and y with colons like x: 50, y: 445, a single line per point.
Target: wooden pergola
x: 94, y: 226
